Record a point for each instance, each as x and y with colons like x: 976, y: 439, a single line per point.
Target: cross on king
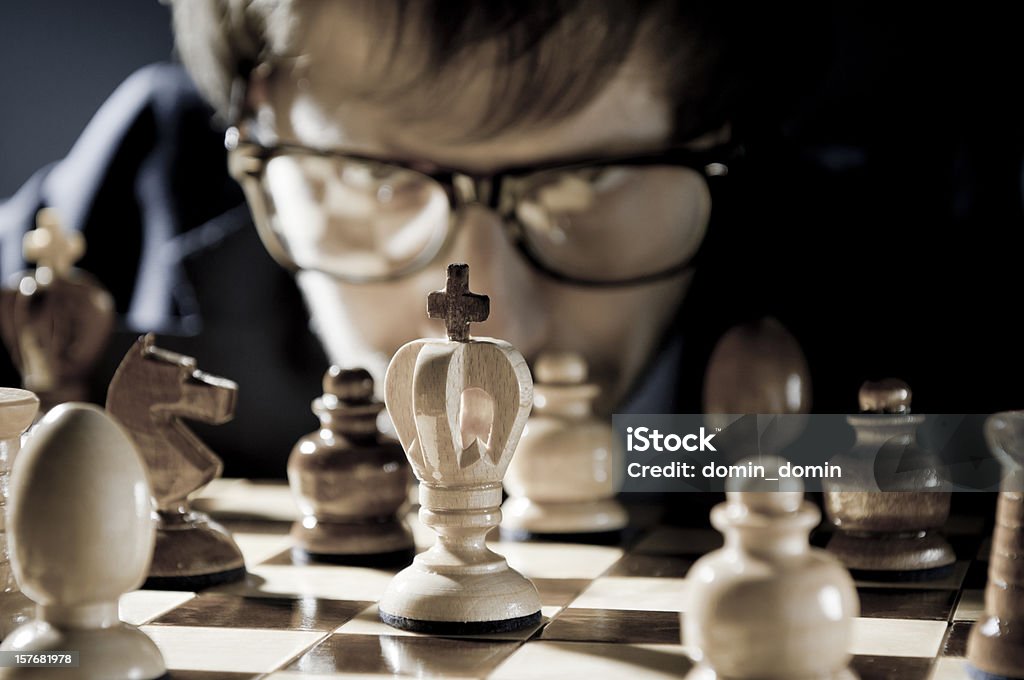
x: 456, y: 305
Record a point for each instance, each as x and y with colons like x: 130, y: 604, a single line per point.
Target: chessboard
x: 608, y: 611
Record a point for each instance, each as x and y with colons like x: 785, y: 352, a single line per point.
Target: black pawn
x: 350, y: 481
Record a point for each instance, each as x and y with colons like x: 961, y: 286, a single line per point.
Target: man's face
x: 325, y: 100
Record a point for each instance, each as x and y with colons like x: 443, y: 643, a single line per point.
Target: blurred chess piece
x: 563, y: 478
x: 758, y: 367
x: 769, y: 606
x: 459, y: 407
x: 55, y: 320
x: 996, y: 643
x: 349, y: 480
x: 151, y: 392
x: 81, y: 535
x: 18, y: 409
x: 891, y: 503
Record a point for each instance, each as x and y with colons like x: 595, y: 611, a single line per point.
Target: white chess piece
x: 459, y: 407
x: 768, y: 605
x: 563, y: 478
x: 81, y: 534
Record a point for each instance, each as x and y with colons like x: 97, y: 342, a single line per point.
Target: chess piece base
x: 352, y: 539
x: 119, y: 652
x: 522, y: 515
x: 489, y: 600
x: 461, y: 627
x: 912, y: 557
x: 192, y: 551
x: 701, y: 672
x: 1000, y: 646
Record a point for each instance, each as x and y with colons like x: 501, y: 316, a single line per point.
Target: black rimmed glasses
x: 604, y: 222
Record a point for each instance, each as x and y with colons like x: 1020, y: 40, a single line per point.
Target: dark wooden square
x: 211, y: 675
x: 232, y: 611
x: 977, y: 575
x: 404, y: 655
x: 614, y: 625
x: 652, y: 565
x: 907, y: 603
x: 891, y: 667
x: 955, y: 643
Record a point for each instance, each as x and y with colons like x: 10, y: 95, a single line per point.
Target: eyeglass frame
x: 247, y: 159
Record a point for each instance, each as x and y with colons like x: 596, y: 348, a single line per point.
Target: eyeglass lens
x: 365, y: 219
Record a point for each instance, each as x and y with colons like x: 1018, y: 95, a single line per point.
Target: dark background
x: 59, y: 60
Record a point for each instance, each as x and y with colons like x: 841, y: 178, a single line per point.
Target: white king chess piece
x: 459, y: 407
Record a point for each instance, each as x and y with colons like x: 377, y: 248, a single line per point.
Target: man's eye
x: 568, y: 192
x: 371, y: 177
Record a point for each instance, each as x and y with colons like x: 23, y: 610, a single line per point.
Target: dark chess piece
x: 891, y: 533
x: 995, y: 648
x: 757, y: 367
x: 349, y: 480
x: 152, y: 392
x: 56, y: 320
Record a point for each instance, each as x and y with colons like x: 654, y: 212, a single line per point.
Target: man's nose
x: 498, y: 270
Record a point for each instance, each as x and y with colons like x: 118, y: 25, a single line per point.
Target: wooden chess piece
x: 349, y: 480
x: 18, y: 409
x: 459, y: 407
x: 150, y: 392
x: 768, y: 605
x: 757, y: 367
x: 563, y: 478
x: 996, y: 643
x: 892, y: 533
x: 81, y: 535
x: 56, y: 320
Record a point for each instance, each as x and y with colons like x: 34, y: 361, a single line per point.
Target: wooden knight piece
x: 349, y: 480
x: 996, y: 643
x: 151, y: 391
x: 894, y: 533
x: 459, y: 407
x: 55, y: 320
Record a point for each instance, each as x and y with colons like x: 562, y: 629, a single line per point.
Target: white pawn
x: 562, y: 480
x: 768, y: 605
x: 81, y: 535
